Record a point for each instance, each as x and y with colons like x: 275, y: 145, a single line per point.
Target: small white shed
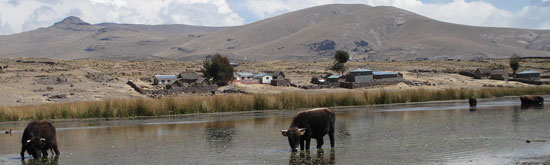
x: 264, y: 78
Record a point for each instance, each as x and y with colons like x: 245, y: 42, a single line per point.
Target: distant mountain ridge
x: 368, y: 33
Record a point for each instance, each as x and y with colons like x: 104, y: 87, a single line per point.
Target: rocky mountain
x: 370, y: 33
x: 73, y: 38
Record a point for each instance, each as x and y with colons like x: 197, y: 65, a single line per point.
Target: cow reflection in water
x: 304, y: 157
x: 531, y: 106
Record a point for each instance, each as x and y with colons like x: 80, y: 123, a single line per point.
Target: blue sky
x: 23, y: 15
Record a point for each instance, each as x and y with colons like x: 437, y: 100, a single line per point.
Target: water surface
x: 494, y: 133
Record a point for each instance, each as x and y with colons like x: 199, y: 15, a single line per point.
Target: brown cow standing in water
x: 531, y: 100
x: 314, y: 123
x: 38, y: 138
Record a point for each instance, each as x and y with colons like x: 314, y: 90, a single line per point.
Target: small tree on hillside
x: 514, y: 63
x: 218, y: 69
x: 340, y: 58
x: 206, y: 71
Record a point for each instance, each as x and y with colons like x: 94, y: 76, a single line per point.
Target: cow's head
x: 35, y: 145
x: 294, y: 135
x: 540, y: 100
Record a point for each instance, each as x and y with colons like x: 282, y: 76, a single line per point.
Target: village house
x: 279, y: 78
x: 188, y: 77
x: 335, y: 78
x: 499, y: 74
x: 263, y: 78
x: 277, y: 75
x: 164, y: 79
x: 360, y: 76
x: 528, y: 75
x: 487, y: 73
x: 244, y: 77
x: 482, y: 73
x: 387, y: 75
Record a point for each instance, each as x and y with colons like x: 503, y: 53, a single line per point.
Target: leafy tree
x: 514, y: 63
x: 218, y: 69
x: 206, y: 69
x: 340, y: 58
x: 339, y: 67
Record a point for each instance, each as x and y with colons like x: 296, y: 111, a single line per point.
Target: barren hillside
x: 368, y: 33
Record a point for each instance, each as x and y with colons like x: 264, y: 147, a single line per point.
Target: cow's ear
x: 302, y: 131
x: 284, y: 132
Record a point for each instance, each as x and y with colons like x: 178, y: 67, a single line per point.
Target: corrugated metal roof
x: 188, y: 75
x: 361, y: 70
x: 166, y: 77
x: 261, y: 75
x: 244, y: 74
x: 529, y: 72
x: 334, y: 76
x: 384, y: 73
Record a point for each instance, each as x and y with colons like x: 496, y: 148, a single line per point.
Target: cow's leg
x: 331, y: 134
x: 308, y: 140
x: 23, y: 153
x: 302, y: 145
x: 319, y: 142
x: 56, y: 149
x: 45, y: 153
x: 331, y: 137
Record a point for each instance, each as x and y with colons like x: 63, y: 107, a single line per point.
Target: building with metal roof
x: 529, y: 75
x: 164, y: 79
x: 264, y: 78
x: 360, y: 75
x: 361, y: 70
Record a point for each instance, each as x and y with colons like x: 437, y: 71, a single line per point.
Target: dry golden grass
x: 241, y: 102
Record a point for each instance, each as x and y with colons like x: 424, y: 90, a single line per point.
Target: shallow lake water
x: 496, y: 132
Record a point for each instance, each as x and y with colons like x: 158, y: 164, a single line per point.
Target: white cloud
x: 477, y: 13
x: 4, y: 27
x: 23, y: 15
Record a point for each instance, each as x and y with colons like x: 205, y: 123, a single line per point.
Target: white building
x: 264, y: 78
x: 164, y: 79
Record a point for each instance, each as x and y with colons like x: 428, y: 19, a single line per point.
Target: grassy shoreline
x: 240, y: 102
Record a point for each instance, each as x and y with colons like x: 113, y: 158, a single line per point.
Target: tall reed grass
x: 240, y: 102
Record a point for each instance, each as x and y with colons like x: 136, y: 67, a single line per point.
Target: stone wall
x: 279, y: 82
x: 376, y: 82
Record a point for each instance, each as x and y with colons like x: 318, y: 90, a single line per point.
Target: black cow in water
x: 531, y: 100
x: 314, y: 123
x: 472, y: 101
x: 38, y: 138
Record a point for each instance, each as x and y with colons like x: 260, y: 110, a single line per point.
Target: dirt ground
x: 28, y: 81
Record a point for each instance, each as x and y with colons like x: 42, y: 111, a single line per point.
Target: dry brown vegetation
x: 96, y: 80
x: 241, y: 102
